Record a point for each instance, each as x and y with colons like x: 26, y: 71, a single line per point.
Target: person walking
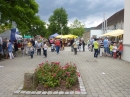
x: 5, y: 49
x: 92, y: 45
x: 22, y: 47
x: 57, y: 44
x: 45, y: 49
x: 31, y: 51
x: 106, y: 46
x: 15, y: 48
x: 10, y: 49
x: 29, y: 45
x: 38, y: 46
x: 71, y: 44
x: 83, y: 45
x: 120, y: 49
x: 75, y: 46
x: 96, y: 47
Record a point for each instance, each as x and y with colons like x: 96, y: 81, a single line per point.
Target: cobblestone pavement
x: 102, y: 77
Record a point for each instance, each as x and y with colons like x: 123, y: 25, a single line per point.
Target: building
x: 116, y: 21
x: 126, y: 37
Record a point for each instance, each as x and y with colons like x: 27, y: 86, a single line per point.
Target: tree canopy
x: 77, y: 28
x: 58, y: 22
x: 22, y: 12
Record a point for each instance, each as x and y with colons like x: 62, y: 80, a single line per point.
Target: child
x: 45, y: 49
x: 31, y: 51
x: 111, y: 49
x: 52, y: 47
x: 114, y: 50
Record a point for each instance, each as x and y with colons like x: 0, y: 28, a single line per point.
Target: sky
x: 89, y: 12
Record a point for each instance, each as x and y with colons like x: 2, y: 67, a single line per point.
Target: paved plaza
x: 102, y: 77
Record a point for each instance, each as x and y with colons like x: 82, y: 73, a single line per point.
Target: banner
x: 12, y: 35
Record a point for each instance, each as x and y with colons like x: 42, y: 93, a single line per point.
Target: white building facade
x: 97, y: 33
x: 118, y: 25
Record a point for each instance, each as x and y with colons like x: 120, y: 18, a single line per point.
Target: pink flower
x: 75, y: 65
x: 78, y: 74
x: 54, y: 75
x: 52, y: 62
x: 57, y: 63
x: 67, y: 72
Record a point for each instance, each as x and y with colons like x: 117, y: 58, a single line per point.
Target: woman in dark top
x: 15, y: 48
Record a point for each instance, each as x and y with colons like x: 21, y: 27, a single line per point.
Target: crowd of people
x: 9, y: 49
x: 101, y: 47
x: 105, y: 47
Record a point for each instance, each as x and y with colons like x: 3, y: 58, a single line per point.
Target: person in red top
x: 57, y: 44
x: 120, y: 49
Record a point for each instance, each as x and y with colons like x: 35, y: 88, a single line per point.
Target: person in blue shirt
x: 106, y: 46
x: 10, y: 49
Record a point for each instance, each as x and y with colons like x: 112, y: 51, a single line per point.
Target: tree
x: 77, y: 28
x: 23, y: 12
x: 58, y: 22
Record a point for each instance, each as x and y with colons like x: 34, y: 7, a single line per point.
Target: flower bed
x: 53, y: 76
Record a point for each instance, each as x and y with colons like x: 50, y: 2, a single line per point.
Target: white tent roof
x: 6, y: 34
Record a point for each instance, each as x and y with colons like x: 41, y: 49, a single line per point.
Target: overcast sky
x: 89, y: 12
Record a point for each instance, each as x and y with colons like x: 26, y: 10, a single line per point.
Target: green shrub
x: 51, y: 74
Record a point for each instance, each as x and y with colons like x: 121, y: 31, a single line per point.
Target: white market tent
x: 114, y: 33
x: 5, y: 34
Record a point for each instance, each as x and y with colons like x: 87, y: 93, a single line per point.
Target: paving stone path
x: 102, y: 77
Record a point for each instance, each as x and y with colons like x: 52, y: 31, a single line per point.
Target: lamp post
x: 61, y: 30
x: 0, y: 18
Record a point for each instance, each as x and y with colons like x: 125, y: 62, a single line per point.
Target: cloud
x: 90, y: 12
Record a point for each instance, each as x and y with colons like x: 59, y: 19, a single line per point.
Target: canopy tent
x: 66, y: 36
x: 61, y: 36
x: 114, y: 33
x: 54, y: 35
x: 6, y: 34
x: 71, y: 36
x: 18, y: 36
x: 27, y: 37
x: 117, y: 32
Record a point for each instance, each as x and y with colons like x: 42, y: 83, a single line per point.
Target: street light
x: 61, y: 30
x: 0, y: 18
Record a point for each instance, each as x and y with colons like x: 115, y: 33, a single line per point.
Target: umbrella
x: 61, y: 36
x: 54, y: 35
x: 71, y: 36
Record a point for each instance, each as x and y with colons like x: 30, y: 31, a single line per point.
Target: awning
x: 117, y: 33
x: 114, y: 33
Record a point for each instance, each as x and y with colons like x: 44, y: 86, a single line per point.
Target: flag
x: 12, y: 35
